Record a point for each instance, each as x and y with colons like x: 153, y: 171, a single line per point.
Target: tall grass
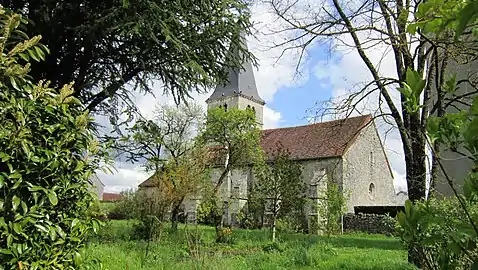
x: 251, y: 250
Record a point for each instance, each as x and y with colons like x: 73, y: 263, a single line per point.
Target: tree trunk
x: 274, y: 229
x: 174, y: 217
x: 415, y: 162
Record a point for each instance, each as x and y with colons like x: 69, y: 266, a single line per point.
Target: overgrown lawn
x: 251, y: 249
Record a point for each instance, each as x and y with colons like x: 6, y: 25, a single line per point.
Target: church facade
x: 348, y: 151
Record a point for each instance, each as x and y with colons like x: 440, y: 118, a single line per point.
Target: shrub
x: 208, y: 212
x: 147, y: 228
x: 437, y: 230
x: 225, y: 236
x: 47, y: 156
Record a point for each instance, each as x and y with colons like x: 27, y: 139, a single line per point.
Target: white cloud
x: 122, y: 178
x: 271, y: 118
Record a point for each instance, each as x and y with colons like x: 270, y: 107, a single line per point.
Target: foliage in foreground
x: 444, y: 234
x: 47, y: 156
x: 331, y: 208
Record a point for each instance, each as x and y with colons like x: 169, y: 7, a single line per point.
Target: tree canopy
x: 111, y: 49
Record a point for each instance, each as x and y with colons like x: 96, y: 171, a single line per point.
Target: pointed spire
x: 240, y: 81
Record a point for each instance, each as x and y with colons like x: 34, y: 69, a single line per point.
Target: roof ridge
x: 324, y: 122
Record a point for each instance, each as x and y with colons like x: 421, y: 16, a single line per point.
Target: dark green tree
x: 113, y: 48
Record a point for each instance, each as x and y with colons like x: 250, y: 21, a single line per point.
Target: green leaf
x: 53, y: 198
x: 17, y: 228
x: 40, y: 53
x: 9, y: 240
x: 24, y: 207
x: 15, y: 202
x: 78, y: 259
x: 5, y: 252
x: 14, y: 83
x: 36, y: 188
x: 33, y: 55
x: 74, y: 222
x: 466, y: 16
x: 5, y: 157
x: 15, y: 175
x: 24, y: 56
x: 42, y: 228
x: 408, y: 208
x: 2, y: 181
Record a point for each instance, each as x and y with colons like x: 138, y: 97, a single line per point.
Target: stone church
x: 348, y: 151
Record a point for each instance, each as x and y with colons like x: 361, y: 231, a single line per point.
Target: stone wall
x: 369, y: 223
x: 368, y: 179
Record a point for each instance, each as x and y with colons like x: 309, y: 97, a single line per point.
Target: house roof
x: 314, y: 141
x: 111, y: 197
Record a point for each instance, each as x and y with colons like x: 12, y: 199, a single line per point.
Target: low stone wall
x: 369, y: 223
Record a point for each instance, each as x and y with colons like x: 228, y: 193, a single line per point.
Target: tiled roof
x: 111, y: 197
x: 320, y: 140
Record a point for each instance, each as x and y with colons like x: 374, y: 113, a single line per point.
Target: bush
x: 208, y: 212
x: 47, y: 156
x: 225, y: 236
x: 436, y: 229
x: 147, y: 228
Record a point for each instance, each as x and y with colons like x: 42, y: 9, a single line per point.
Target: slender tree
x: 234, y: 136
x: 169, y: 135
x: 280, y: 186
x: 166, y: 147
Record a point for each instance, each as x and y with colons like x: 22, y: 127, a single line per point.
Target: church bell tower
x: 240, y: 90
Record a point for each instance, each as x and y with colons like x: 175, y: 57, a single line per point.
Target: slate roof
x: 111, y: 197
x: 240, y: 81
x: 314, y: 141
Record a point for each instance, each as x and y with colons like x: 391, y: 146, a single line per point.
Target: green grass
x: 113, y: 247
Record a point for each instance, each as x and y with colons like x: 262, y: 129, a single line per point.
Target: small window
x: 371, y: 191
x: 225, y: 107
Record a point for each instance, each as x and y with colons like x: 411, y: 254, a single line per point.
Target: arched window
x: 371, y: 191
x: 254, y: 110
